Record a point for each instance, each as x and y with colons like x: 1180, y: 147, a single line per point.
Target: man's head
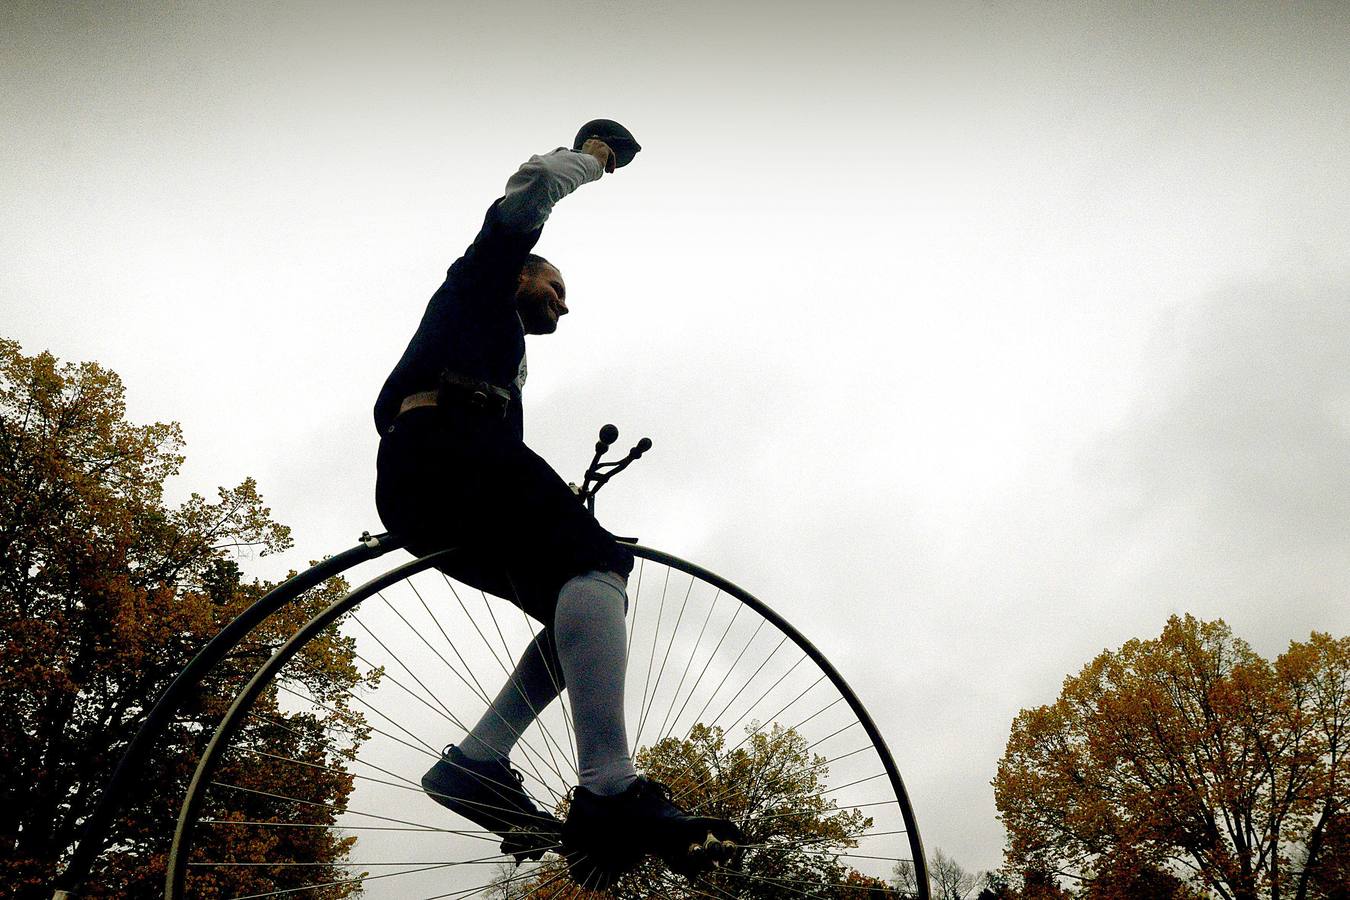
x: 541, y: 296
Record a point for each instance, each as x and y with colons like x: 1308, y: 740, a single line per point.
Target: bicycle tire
x: 853, y: 819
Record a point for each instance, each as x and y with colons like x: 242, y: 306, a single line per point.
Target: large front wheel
x: 310, y: 785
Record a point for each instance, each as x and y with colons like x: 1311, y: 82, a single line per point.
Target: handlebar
x: 600, y: 472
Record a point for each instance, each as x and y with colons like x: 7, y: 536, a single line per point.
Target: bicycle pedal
x: 711, y: 852
x: 719, y: 850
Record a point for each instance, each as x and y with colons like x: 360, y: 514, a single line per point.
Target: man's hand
x: 600, y: 150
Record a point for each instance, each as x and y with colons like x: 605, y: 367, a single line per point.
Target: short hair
x: 534, y: 264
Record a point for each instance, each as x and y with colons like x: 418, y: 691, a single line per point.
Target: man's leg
x: 615, y: 815
x: 536, y: 682
x: 475, y: 778
x: 592, y: 643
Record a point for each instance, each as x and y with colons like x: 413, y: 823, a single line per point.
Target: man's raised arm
x: 544, y: 180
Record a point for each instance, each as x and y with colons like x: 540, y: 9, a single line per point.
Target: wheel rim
x: 800, y: 763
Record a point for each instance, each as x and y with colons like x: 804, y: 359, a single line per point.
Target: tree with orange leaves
x: 1188, y: 753
x: 106, y: 592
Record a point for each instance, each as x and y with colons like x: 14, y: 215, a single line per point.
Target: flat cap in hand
x: 619, y: 139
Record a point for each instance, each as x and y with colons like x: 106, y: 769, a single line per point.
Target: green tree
x: 774, y: 788
x: 106, y: 592
x: 1190, y: 751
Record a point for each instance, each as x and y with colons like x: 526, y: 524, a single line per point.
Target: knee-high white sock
x: 592, y: 642
x: 536, y: 682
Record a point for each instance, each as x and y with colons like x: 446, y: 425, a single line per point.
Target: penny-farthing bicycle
x: 309, y: 787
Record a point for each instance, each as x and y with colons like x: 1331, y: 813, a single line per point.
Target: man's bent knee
x: 599, y: 580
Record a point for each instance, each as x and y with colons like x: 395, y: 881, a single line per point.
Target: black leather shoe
x: 490, y: 794
x: 604, y: 837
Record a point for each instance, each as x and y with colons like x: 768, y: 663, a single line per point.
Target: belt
x: 413, y: 401
x: 471, y: 392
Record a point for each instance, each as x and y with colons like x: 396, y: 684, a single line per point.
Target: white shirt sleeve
x: 541, y: 182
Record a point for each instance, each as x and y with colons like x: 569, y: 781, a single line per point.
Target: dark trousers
x: 458, y: 478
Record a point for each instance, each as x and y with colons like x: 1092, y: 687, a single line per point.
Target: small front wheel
x: 310, y: 791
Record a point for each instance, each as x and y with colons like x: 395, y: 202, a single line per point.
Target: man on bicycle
x: 453, y: 471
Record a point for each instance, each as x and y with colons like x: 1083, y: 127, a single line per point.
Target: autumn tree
x: 1123, y: 877
x: 775, y: 789
x: 106, y: 592
x: 1329, y: 872
x: 1189, y: 753
x: 1041, y: 885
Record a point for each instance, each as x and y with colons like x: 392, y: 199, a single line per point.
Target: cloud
x: 1232, y: 479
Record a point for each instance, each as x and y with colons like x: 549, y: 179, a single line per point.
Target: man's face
x: 541, y: 300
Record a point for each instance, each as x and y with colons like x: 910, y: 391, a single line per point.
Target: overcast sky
x: 975, y: 338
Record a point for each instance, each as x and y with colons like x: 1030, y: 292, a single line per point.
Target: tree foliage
x: 1189, y: 752
x: 774, y: 788
x: 106, y: 593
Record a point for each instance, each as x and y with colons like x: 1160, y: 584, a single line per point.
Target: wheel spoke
x: 674, y: 632
x: 337, y: 809
x: 651, y: 659
x: 478, y: 688
x: 339, y: 883
x: 550, y: 741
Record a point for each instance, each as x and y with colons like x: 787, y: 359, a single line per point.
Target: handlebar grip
x: 642, y: 446
x: 608, y: 435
